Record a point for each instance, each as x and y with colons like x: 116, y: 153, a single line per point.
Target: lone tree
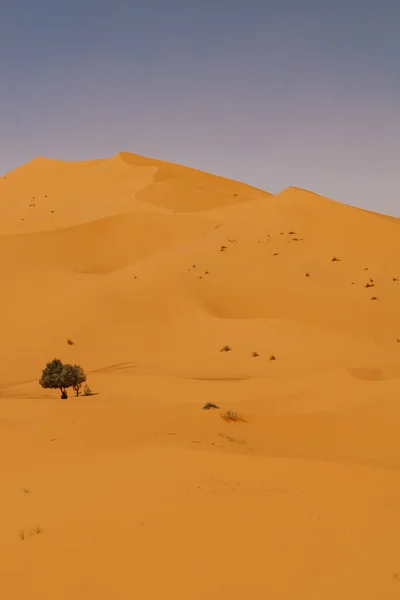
x: 57, y: 376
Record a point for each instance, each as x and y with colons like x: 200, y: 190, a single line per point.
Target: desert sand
x: 151, y: 269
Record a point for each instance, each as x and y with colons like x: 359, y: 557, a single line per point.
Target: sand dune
x: 152, y: 269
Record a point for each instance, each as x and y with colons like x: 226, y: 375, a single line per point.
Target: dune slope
x: 177, y: 288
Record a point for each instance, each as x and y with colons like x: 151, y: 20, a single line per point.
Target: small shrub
x: 395, y: 278
x: 225, y: 349
x: 70, y: 342
x: 275, y: 254
x: 334, y: 259
x: 272, y: 357
x: 223, y: 248
x: 22, y: 536
x: 374, y: 298
x: 87, y: 391
x: 232, y: 417
x: 26, y: 490
x: 369, y: 284
x: 307, y: 275
x: 255, y: 354
x: 209, y: 405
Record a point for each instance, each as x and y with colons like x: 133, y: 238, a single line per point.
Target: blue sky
x: 271, y: 93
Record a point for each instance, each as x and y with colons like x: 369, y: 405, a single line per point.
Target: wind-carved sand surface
x: 180, y: 288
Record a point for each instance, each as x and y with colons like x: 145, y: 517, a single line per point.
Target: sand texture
x: 179, y: 288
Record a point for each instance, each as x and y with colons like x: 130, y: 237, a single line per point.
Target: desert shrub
x: 232, y: 417
x: 87, y: 391
x: 70, y: 342
x: 57, y: 376
x: 209, y: 405
x: 225, y: 349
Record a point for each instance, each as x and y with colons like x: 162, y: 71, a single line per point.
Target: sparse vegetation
x: 26, y: 490
x: 334, y: 259
x: 232, y: 417
x: 307, y: 275
x: 209, y: 405
x: 369, y: 284
x: 87, y: 391
x: 374, y: 298
x: 255, y: 354
x: 272, y: 357
x: 70, y: 342
x: 225, y: 349
x: 223, y: 248
x: 395, y: 278
x: 57, y: 376
x: 22, y: 535
x: 275, y: 254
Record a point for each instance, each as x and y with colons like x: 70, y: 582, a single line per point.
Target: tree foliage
x: 57, y: 376
x: 78, y: 377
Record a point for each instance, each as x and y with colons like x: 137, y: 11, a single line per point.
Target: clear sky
x: 273, y: 93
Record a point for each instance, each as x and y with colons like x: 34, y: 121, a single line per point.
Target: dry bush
x: 232, y: 417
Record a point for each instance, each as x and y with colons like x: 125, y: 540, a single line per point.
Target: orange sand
x: 135, y: 492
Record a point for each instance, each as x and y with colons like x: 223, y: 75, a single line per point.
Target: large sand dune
x: 151, y: 269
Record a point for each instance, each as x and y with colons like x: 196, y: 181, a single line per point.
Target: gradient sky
x: 273, y: 93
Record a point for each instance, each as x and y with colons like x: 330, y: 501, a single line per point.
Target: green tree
x: 79, y: 377
x: 57, y: 376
